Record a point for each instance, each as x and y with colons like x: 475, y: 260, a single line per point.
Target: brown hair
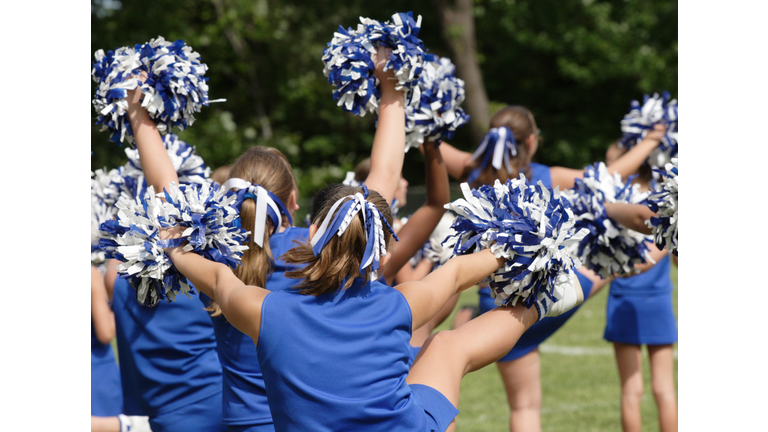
x: 340, y: 258
x: 362, y: 170
x: 269, y: 168
x: 221, y: 174
x: 520, y: 120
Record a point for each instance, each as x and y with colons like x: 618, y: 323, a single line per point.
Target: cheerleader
x: 333, y: 348
x: 639, y: 312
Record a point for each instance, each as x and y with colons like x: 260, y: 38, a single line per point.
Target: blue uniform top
x: 167, y: 353
x: 339, y: 361
x: 244, y: 400
x: 654, y: 281
x: 540, y: 172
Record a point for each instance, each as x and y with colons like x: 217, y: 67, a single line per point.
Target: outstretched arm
x: 632, y: 216
x: 155, y: 162
x: 102, y: 316
x: 420, y: 225
x: 388, y: 150
x: 626, y: 165
x: 240, y: 303
x: 427, y: 296
x: 455, y: 160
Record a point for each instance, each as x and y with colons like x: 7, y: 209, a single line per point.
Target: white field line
x: 578, y: 350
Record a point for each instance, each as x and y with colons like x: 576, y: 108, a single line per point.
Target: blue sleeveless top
x: 244, y: 399
x: 167, y: 353
x: 540, y: 172
x: 339, y: 361
x: 655, y: 280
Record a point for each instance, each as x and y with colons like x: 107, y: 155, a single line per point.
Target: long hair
x: 520, y: 120
x: 269, y: 168
x: 338, y: 263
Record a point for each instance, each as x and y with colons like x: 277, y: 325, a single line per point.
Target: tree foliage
x: 575, y: 63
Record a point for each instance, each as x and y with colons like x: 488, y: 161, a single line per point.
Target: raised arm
x: 101, y: 315
x: 240, y: 303
x: 388, y: 150
x: 427, y: 296
x: 455, y: 160
x: 626, y: 165
x: 155, y: 162
x: 420, y: 225
x: 632, y: 216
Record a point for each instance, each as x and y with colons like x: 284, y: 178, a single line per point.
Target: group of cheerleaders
x: 299, y: 338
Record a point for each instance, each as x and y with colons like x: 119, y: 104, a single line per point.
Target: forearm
x: 464, y: 271
x: 632, y: 216
x: 455, y: 160
x: 213, y: 279
x: 630, y: 162
x: 155, y: 162
x: 438, y: 187
x: 388, y: 150
x: 102, y: 316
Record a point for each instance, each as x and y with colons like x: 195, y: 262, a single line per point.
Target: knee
x: 664, y: 392
x: 525, y: 401
x: 632, y: 389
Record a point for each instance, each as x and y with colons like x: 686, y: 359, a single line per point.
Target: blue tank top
x: 655, y: 280
x: 339, y: 361
x: 167, y: 353
x: 540, y: 172
x: 244, y: 398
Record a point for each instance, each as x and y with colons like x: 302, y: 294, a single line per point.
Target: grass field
x: 580, y: 392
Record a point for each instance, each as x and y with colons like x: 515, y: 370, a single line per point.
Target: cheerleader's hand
x: 380, y: 59
x: 136, y: 95
x: 170, y: 234
x: 658, y: 132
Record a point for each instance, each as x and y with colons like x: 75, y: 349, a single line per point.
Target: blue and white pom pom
x: 664, y: 203
x: 433, y: 249
x: 530, y: 226
x: 609, y: 248
x: 174, y: 89
x: 437, y: 115
x: 641, y: 119
x: 100, y: 213
x: 212, y: 230
x: 106, y: 187
x: 349, y: 67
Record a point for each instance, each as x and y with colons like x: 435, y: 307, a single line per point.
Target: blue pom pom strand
x: 175, y: 87
x: 640, y: 120
x: 438, y: 114
x: 531, y: 226
x: 609, y: 248
x: 664, y: 202
x: 212, y: 230
x: 349, y: 66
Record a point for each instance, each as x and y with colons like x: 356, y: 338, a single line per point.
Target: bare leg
x: 663, y: 384
x: 522, y: 381
x: 449, y: 355
x: 629, y: 361
x: 422, y: 333
x: 105, y: 424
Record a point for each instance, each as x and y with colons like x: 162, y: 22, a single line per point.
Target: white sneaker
x: 134, y: 423
x: 568, y: 293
